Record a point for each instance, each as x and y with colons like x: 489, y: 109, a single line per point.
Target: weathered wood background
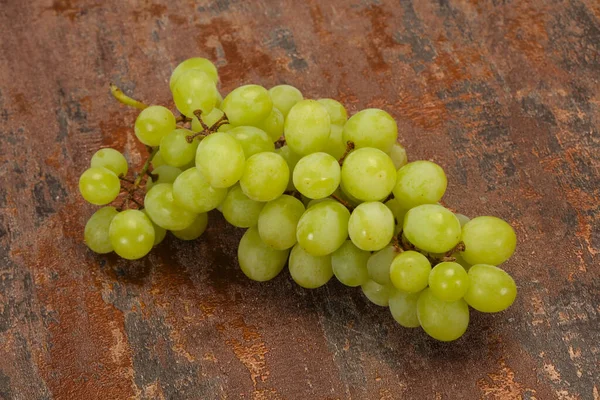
x: 504, y: 94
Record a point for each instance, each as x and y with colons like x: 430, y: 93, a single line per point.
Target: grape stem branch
x: 123, y: 98
x: 207, y: 130
x: 343, y: 202
x: 349, y: 148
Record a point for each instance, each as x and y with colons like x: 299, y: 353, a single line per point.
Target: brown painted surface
x: 504, y: 94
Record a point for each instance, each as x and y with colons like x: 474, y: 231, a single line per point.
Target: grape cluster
x: 324, y: 194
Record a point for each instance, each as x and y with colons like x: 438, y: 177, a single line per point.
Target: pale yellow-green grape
x: 432, y: 228
x: 442, y: 320
x: 209, y: 120
x: 157, y: 160
x: 163, y: 210
x: 323, y: 228
x: 247, y: 105
x: 449, y: 281
x: 257, y: 260
x: 336, y: 146
x: 162, y: 174
x: 371, y: 128
x: 491, y: 289
x: 219, y: 99
x: 253, y: 140
x: 199, y: 63
x: 376, y: 293
x: 410, y: 271
x: 159, y: 232
x: 348, y: 198
x: 99, y: 185
x: 176, y: 150
x: 420, y: 182
x: 371, y: 226
x: 195, y: 90
x: 317, y: 175
x: 220, y: 158
x: 278, y: 221
x: 307, y: 127
x: 153, y: 123
x: 291, y: 159
x: 398, y: 156
x: 131, y: 234
x: 266, y: 177
x: 398, y: 211
x: 488, y: 240
x: 461, y: 261
x: 349, y: 264
x: 379, y: 264
x: 193, y: 231
x: 337, y: 112
x: 192, y: 192
x: 110, y: 159
x: 403, y: 306
x: 368, y: 174
x: 239, y: 210
x: 463, y: 219
x: 284, y: 97
x: 307, y: 270
x: 273, y: 124
x: 96, y: 230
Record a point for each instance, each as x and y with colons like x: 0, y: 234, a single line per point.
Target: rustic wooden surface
x: 504, y: 94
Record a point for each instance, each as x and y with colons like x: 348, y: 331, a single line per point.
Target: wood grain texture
x: 504, y: 94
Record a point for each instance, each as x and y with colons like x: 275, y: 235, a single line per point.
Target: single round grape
x: 323, y: 228
x: 162, y: 174
x: 396, y: 209
x: 398, y: 156
x: 193, y: 231
x: 376, y: 293
x: 461, y: 261
x: 291, y: 159
x: 420, y: 182
x: 198, y: 63
x: 349, y: 264
x: 159, y: 232
x: 273, y: 124
x: 317, y: 175
x: 307, y: 127
x: 432, y: 228
x: 371, y: 226
x: 403, y: 306
x: 284, y: 97
x: 157, y: 160
x: 379, y: 265
x: 463, y: 219
x: 163, y: 210
x: 368, y: 174
x: 209, y: 120
x: 239, y: 210
x: 253, y: 140
x: 110, y: 159
x: 278, y: 221
x: 131, y: 234
x: 336, y: 147
x: 96, y: 230
x: 257, y: 260
x: 247, y: 105
x: 448, y: 281
x: 371, y: 128
x: 488, y: 240
x: 442, y: 320
x: 99, y: 185
x: 491, y: 289
x: 410, y: 271
x: 344, y: 195
x: 153, y: 123
x: 220, y: 158
x: 266, y: 177
x: 195, y: 90
x: 307, y: 270
x: 192, y: 192
x: 337, y: 112
x: 176, y: 150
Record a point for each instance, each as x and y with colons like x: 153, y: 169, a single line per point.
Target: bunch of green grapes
x: 322, y: 193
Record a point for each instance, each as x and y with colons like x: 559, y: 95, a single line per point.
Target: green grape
x: 153, y: 123
x: 273, y: 124
x: 162, y: 174
x: 461, y: 261
x: 442, y: 320
x: 278, y: 221
x: 420, y: 182
x: 317, y: 175
x: 291, y: 160
x: 337, y: 112
x: 175, y: 150
x: 371, y: 226
x: 371, y: 128
x: 336, y: 147
x: 257, y: 260
x: 379, y: 265
x: 99, y: 185
x: 163, y: 210
x: 285, y: 97
x: 247, y: 105
x: 349, y: 264
x: 488, y: 240
x: 198, y: 63
x: 410, y: 271
x: 195, y: 90
x: 403, y: 306
x: 348, y: 198
x: 193, y: 231
x: 307, y: 127
x: 209, y: 120
x: 239, y: 210
x: 307, y: 270
x: 368, y: 174
x: 448, y: 281
x: 96, y: 230
x: 398, y: 156
x: 220, y: 158
x: 463, y: 219
x: 376, y: 293
x: 491, y: 289
x: 253, y: 140
x: 396, y: 209
x: 432, y: 228
x: 131, y: 234
x: 323, y: 228
x: 157, y: 160
x: 265, y: 177
x: 159, y: 233
x: 192, y: 192
x: 110, y: 159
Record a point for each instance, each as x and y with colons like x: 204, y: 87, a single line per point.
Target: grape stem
x: 123, y: 98
x: 183, y: 118
x: 349, y: 148
x: 279, y: 143
x: 138, y: 180
x: 207, y: 130
x: 294, y: 193
x: 342, y: 202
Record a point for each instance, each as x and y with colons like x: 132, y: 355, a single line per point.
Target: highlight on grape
x: 322, y: 193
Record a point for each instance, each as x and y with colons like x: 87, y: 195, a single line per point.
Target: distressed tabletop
x: 505, y: 95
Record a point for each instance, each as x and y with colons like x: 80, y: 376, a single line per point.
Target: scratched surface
x: 504, y: 94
